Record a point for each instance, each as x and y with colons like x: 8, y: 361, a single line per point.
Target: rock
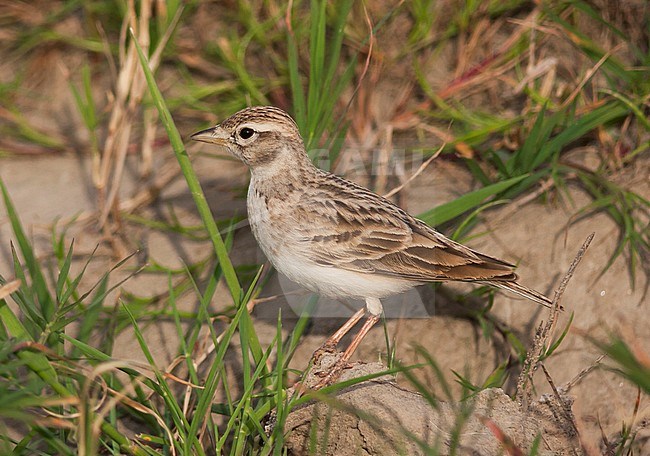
x: 378, y: 417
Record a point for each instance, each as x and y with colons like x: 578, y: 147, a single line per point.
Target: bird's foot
x: 326, y: 368
x: 331, y: 376
x: 327, y: 348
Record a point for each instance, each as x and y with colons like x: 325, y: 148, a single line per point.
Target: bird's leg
x: 367, y: 326
x: 374, y: 308
x: 336, y: 370
x: 330, y: 344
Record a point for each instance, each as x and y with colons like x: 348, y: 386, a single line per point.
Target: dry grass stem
x: 129, y: 91
x: 545, y: 331
x: 422, y: 167
x: 583, y: 373
x: 590, y: 74
x: 563, y: 405
x: 8, y: 288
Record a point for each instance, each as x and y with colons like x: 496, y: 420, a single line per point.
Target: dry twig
x: 545, y: 332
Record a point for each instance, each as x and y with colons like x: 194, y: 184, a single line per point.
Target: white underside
x: 338, y: 283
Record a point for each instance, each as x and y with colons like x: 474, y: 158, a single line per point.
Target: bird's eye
x: 246, y: 133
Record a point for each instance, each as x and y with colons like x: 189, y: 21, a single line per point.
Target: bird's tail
x: 523, y: 291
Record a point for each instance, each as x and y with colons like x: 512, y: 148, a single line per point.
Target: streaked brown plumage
x: 333, y: 236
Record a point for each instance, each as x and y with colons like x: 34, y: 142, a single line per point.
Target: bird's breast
x: 262, y: 224
x: 273, y: 223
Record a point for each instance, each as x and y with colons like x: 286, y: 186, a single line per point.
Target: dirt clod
x: 377, y: 417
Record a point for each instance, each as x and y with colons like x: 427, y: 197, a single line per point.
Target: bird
x: 337, y: 238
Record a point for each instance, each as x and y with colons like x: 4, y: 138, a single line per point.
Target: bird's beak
x: 214, y: 135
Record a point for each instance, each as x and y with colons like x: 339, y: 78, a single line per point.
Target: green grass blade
x: 600, y: 116
x: 628, y: 361
x: 63, y: 273
x: 163, y: 388
x: 524, y: 160
x: 92, y: 312
x: 612, y: 66
x: 34, y: 321
x: 295, y: 83
x: 192, y: 181
x: 206, y: 395
x: 45, y: 301
x: 448, y: 211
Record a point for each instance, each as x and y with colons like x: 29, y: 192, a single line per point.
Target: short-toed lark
x: 335, y: 237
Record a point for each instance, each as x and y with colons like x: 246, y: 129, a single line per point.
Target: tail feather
x: 523, y: 291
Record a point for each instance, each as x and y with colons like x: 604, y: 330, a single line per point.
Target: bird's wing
x: 363, y: 232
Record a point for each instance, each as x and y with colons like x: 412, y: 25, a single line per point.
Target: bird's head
x: 260, y: 136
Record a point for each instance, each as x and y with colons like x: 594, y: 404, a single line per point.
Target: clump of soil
x: 378, y: 417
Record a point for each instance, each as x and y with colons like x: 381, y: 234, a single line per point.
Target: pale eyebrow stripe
x: 260, y: 126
